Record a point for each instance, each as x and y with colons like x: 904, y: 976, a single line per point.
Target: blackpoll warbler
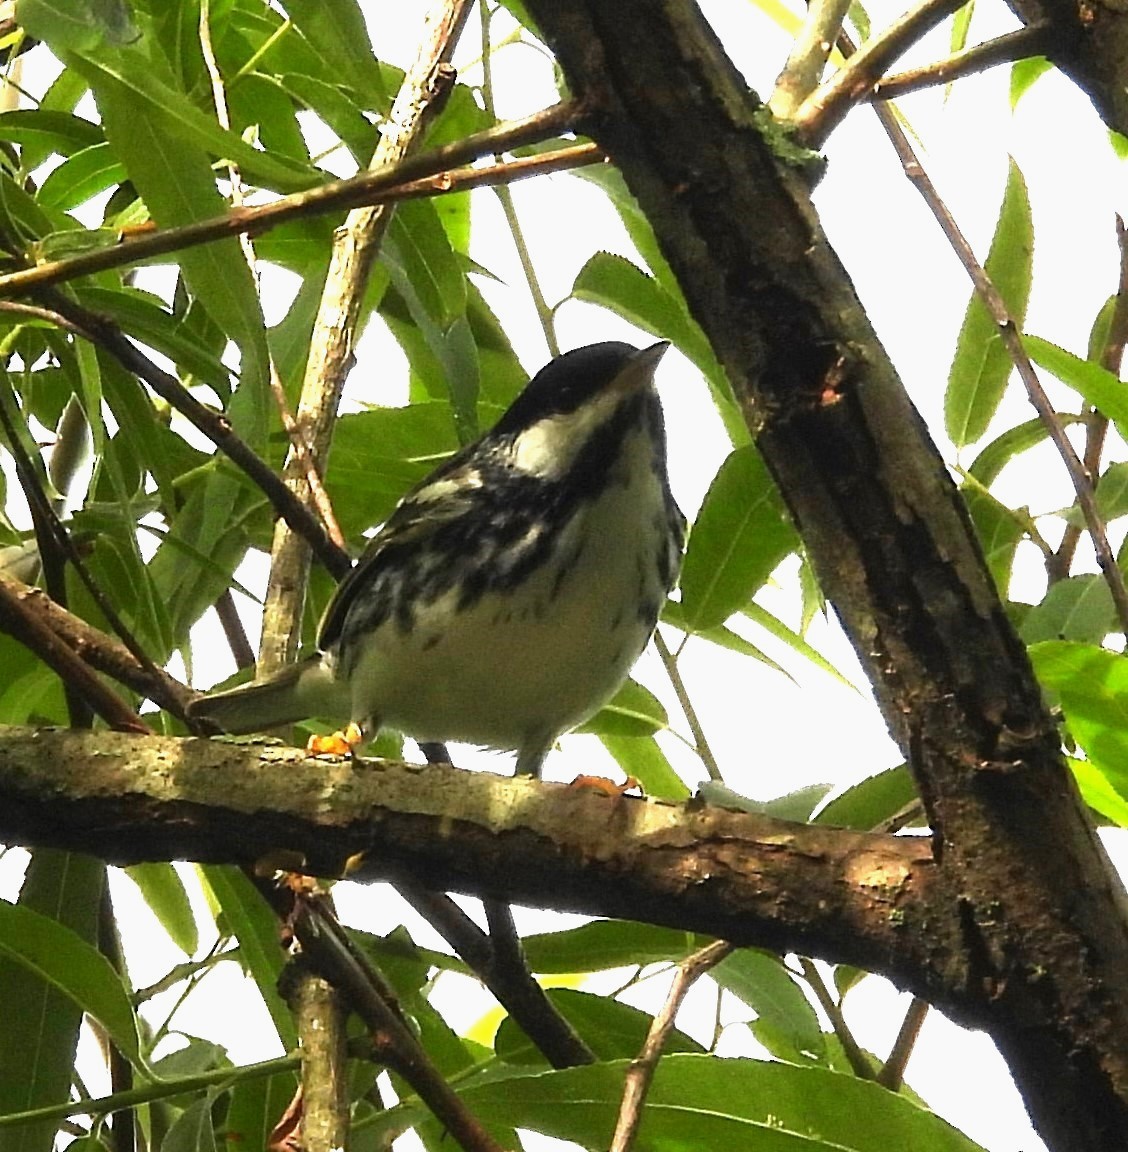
x: 509, y: 594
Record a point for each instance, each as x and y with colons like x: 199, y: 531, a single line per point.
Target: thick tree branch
x: 854, y: 897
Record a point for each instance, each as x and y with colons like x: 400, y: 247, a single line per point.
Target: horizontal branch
x: 849, y: 896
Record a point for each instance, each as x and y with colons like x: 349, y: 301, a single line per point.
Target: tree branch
x: 744, y: 877
x: 425, y: 175
x: 640, y: 1074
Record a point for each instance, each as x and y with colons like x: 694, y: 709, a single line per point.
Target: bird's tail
x: 296, y: 693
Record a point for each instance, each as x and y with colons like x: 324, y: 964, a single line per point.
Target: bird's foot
x: 607, y: 787
x: 338, y: 744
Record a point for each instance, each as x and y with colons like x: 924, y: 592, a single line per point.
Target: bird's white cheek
x: 548, y: 448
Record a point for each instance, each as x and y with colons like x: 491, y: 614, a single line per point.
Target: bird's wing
x: 447, y: 494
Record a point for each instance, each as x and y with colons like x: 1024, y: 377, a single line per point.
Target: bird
x: 510, y: 592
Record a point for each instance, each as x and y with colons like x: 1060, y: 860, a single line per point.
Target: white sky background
x: 771, y: 735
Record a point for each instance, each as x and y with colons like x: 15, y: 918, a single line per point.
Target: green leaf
x: 1079, y: 608
x: 1099, y: 792
x: 993, y: 458
x: 794, y: 641
x: 641, y: 757
x: 764, y: 984
x: 795, y: 805
x: 338, y: 34
x: 1023, y: 75
x: 163, y: 890
x: 872, y: 802
x: 612, y: 1030
x: 145, y: 317
x: 657, y: 306
x: 193, y: 1130
x: 59, y: 956
x: 130, y: 77
x: 1096, y: 384
x: 721, y: 635
x: 1000, y: 530
x: 254, y: 1110
x: 49, y: 132
x: 1092, y: 685
x: 739, y: 538
x: 381, y: 453
x: 81, y: 177
x: 632, y: 711
x: 254, y: 925
x: 698, y: 1102
x: 982, y: 366
x: 603, y: 944
x: 63, y: 891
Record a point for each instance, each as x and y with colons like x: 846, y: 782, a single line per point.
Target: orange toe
x: 338, y: 744
x: 606, y: 787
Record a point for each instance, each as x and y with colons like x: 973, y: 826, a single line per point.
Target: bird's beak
x: 640, y: 369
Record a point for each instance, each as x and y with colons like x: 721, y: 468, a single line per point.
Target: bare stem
x: 1009, y: 334
x: 825, y: 108
x: 545, y: 314
x: 807, y: 62
x: 858, y: 1060
x: 1059, y: 564
x: 428, y: 174
x: 700, y: 740
x: 1033, y: 40
x: 892, y: 1072
x: 640, y: 1074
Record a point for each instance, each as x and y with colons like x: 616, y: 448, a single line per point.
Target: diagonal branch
x: 640, y: 1074
x: 1017, y: 45
x: 106, y: 334
x: 426, y: 175
x: 514, y: 987
x: 826, y: 107
x: 1012, y: 341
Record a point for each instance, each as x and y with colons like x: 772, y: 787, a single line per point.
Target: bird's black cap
x: 564, y: 384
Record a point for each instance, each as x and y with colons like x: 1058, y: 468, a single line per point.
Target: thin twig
x: 809, y: 53
x: 1059, y: 564
x: 700, y: 741
x: 892, y: 1073
x: 514, y: 988
x: 428, y: 174
x: 859, y: 1062
x: 1009, y: 334
x: 825, y: 108
x: 233, y: 631
x: 640, y: 1074
x: 1031, y: 40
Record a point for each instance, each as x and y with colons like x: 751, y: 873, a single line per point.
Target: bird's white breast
x: 515, y: 668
